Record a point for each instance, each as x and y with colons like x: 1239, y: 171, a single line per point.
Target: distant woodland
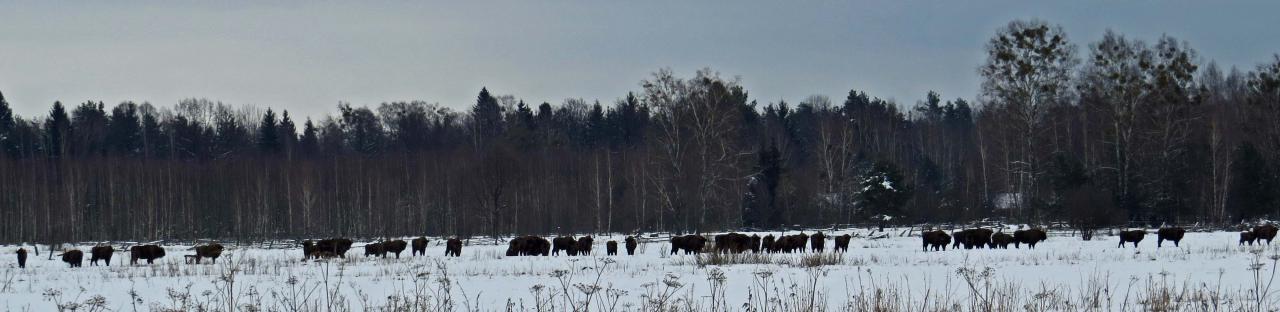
x: 1118, y: 131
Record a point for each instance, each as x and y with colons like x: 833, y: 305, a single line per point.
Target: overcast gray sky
x: 307, y: 57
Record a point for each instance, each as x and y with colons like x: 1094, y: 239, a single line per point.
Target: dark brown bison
x: 584, y: 245
x: 1247, y: 236
x: 539, y: 246
x: 1265, y: 232
x: 791, y: 243
x: 766, y: 243
x: 690, y: 244
x: 1029, y: 237
x: 73, y: 257
x: 516, y: 246
x: 937, y: 240
x: 818, y: 242
x: 102, y: 252
x: 22, y: 258
x: 308, y: 250
x: 842, y: 242
x: 145, y: 252
x: 453, y: 247
x: 211, y: 251
x: 1001, y: 240
x: 977, y: 238
x: 958, y: 238
x: 755, y: 243
x: 631, y: 245
x: 611, y: 248
x: 419, y: 246
x: 1133, y: 236
x: 732, y: 243
x: 338, y: 246
x: 395, y: 246
x: 375, y: 249
x: 566, y: 243
x: 1173, y: 234
x: 528, y: 246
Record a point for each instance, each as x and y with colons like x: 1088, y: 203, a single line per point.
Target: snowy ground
x: 1063, y: 273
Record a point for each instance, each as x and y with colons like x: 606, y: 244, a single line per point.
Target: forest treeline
x: 1121, y: 130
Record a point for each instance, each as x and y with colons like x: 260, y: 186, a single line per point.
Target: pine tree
x: 8, y: 142
x: 269, y: 133
x: 57, y: 130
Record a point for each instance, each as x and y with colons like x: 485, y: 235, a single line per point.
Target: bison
x: 732, y: 243
x: 22, y: 258
x: 1000, y: 240
x: 584, y: 245
x: 1134, y: 237
x: 395, y: 246
x: 611, y: 248
x: 766, y: 243
x: 102, y: 252
x: 1265, y: 231
x: 1247, y: 236
x: 375, y: 249
x: 1173, y: 234
x: 842, y: 242
x: 419, y: 246
x: 145, y: 252
x: 566, y: 243
x: 690, y: 244
x: 528, y: 246
x: 818, y: 242
x: 309, y: 250
x: 453, y: 247
x: 978, y: 238
x: 211, y: 251
x: 959, y: 238
x: 791, y: 243
x: 1029, y: 237
x: 73, y: 257
x: 631, y: 245
x: 755, y: 243
x: 937, y: 240
x: 338, y: 246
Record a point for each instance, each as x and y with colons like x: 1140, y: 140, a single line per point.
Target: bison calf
x: 145, y: 252
x: 101, y: 253
x: 611, y: 248
x: 1170, y: 234
x: 73, y: 257
x: 22, y: 258
x: 453, y: 247
x: 1247, y: 236
x: 1134, y: 237
x: 419, y: 246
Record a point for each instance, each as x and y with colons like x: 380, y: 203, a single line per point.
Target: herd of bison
x: 935, y: 240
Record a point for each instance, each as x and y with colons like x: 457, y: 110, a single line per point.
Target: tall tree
x: 1028, y: 70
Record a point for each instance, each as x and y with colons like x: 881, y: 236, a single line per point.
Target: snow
x: 485, y: 278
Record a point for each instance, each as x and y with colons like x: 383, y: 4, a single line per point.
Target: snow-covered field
x: 1063, y: 273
